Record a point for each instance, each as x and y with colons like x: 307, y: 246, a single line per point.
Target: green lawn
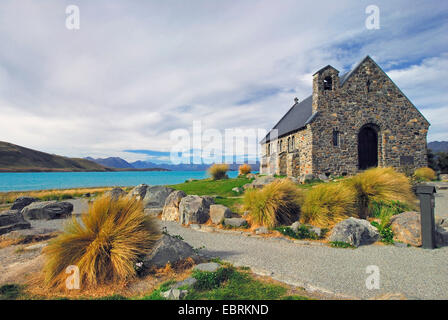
x: 228, y: 283
x: 220, y: 189
x: 209, y: 187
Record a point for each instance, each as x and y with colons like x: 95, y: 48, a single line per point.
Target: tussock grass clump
x: 105, y: 245
x: 328, y: 203
x: 425, y: 174
x: 218, y: 171
x: 380, y: 184
x: 277, y: 203
x: 244, y: 169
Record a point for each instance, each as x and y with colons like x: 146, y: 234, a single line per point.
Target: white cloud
x: 137, y: 70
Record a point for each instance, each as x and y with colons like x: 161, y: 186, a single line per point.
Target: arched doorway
x: 368, y: 147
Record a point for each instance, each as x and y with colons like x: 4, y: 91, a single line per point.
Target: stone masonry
x: 341, y: 108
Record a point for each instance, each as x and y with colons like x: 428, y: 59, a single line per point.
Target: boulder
x: 295, y: 226
x: 139, y: 191
x: 355, y: 232
x: 12, y: 220
x: 174, y: 294
x: 322, y: 177
x: 195, y: 209
x: 261, y: 181
x: 47, y: 210
x: 168, y: 249
x: 407, y: 228
x: 155, y: 198
x: 171, y: 208
x: 187, y: 282
x: 22, y: 202
x: 208, y: 267
x: 218, y: 213
x: 235, y: 222
x: 115, y: 193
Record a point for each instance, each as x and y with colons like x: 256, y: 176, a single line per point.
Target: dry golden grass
x: 425, y: 174
x: 244, y: 169
x: 380, y: 184
x: 9, y: 197
x: 105, y: 245
x: 328, y: 203
x: 277, y: 203
x: 218, y: 171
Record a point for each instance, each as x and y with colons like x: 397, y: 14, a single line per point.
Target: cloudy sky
x: 137, y: 70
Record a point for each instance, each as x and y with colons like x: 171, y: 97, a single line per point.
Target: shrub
x: 328, y: 203
x: 425, y: 174
x: 275, y: 204
x: 105, y: 245
x: 212, y: 280
x: 380, y: 184
x: 397, y: 207
x: 244, y: 169
x: 218, y: 171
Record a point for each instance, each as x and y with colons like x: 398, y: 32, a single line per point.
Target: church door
x: 367, y: 148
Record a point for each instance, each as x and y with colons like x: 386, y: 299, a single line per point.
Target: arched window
x: 328, y: 83
x: 280, y: 146
x: 368, y: 85
x: 289, y: 144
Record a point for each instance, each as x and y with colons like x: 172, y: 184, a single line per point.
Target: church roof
x: 297, y: 117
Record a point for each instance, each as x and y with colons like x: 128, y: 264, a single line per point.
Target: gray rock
x: 261, y: 181
x: 47, y: 210
x: 316, y: 230
x: 153, y: 212
x: 208, y: 267
x: 295, y: 226
x: 354, y: 231
x: 322, y: 177
x: 407, y: 228
x: 218, y: 213
x: 174, y: 294
x: 168, y: 249
x: 261, y: 230
x: 171, y: 208
x: 12, y: 220
x: 22, y: 202
x: 235, y: 222
x: 187, y: 282
x: 115, y: 193
x: 155, y: 197
x: 195, y: 209
x: 139, y: 191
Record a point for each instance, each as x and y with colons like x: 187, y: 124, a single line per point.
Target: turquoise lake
x: 64, y: 180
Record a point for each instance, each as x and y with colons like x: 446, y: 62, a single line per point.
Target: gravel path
x: 415, y: 272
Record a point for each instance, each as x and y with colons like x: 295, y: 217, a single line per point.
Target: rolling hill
x: 14, y: 158
x: 112, y: 162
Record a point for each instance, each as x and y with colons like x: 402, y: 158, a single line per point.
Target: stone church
x: 350, y: 123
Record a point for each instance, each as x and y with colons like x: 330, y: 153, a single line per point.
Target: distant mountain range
x: 438, y: 146
x: 116, y: 162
